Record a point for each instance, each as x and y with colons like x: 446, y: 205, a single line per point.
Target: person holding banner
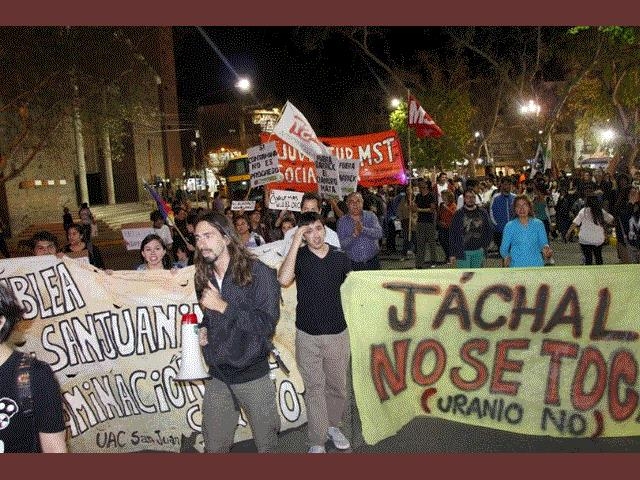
x: 524, y: 240
x: 44, y: 243
x: 77, y: 245
x: 240, y: 300
x: 31, y: 421
x: 359, y: 232
x: 322, y: 339
x: 153, y: 253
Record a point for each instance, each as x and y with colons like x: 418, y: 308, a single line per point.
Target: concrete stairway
x: 108, y: 217
x: 115, y: 215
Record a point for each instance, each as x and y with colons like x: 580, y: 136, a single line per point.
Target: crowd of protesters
x: 518, y: 216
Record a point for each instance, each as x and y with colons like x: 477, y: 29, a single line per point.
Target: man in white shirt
x: 310, y: 203
x: 442, y: 185
x: 471, y: 183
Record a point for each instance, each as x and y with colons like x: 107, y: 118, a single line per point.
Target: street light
x: 481, y: 141
x: 530, y: 108
x: 607, y: 135
x: 395, y: 102
x: 243, y: 85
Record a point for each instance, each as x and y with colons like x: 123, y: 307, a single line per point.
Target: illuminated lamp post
x: 243, y: 85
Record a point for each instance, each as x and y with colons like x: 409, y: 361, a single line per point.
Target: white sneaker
x: 317, y: 449
x: 338, y: 438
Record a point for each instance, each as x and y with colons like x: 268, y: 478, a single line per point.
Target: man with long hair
x: 240, y: 299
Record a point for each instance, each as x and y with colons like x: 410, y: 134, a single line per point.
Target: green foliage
x: 452, y: 112
x: 628, y: 35
x: 115, y: 87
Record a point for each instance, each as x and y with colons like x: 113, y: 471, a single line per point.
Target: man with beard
x: 470, y: 233
x: 240, y: 298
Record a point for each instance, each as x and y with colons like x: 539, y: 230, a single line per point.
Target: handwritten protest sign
x: 133, y: 234
x: 114, y: 342
x: 285, y: 200
x: 328, y: 177
x: 246, y: 205
x: 348, y: 171
x: 263, y: 164
x: 538, y: 351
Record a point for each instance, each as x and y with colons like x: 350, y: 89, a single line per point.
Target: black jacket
x: 239, y: 340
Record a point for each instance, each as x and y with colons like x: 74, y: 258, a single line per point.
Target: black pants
x: 590, y: 251
x: 371, y: 264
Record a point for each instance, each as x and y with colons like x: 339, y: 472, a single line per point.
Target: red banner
x: 379, y: 154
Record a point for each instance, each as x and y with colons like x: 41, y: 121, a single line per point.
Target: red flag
x: 421, y: 121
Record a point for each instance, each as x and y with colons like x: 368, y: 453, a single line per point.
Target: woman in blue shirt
x: 524, y: 241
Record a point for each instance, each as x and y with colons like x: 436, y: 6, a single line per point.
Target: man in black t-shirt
x: 426, y: 233
x: 322, y: 339
x: 21, y: 431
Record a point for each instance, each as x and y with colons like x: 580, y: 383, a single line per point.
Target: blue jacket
x: 501, y: 210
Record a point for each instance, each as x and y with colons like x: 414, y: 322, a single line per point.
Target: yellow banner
x: 544, y: 351
x: 114, y: 343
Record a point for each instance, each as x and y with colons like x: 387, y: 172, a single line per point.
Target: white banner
x: 294, y: 129
x: 263, y: 164
x: 114, y: 342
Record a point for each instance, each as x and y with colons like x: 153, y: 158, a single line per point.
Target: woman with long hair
x: 591, y: 219
x: 524, y: 240
x: 77, y: 244
x: 249, y: 238
x: 153, y: 253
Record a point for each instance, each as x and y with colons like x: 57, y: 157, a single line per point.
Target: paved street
x: 117, y: 258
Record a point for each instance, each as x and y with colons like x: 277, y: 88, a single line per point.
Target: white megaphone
x: 191, y: 365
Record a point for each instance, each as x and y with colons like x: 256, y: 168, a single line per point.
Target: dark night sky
x: 338, y: 89
x: 317, y: 81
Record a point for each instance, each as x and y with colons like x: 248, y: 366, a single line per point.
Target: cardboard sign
x: 246, y: 205
x: 133, y: 233
x: 348, y: 172
x: 263, y: 164
x: 328, y: 177
x: 285, y: 200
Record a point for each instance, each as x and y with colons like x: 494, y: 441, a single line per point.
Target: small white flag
x: 294, y: 129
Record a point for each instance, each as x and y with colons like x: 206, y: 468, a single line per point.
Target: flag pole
x: 410, y: 165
